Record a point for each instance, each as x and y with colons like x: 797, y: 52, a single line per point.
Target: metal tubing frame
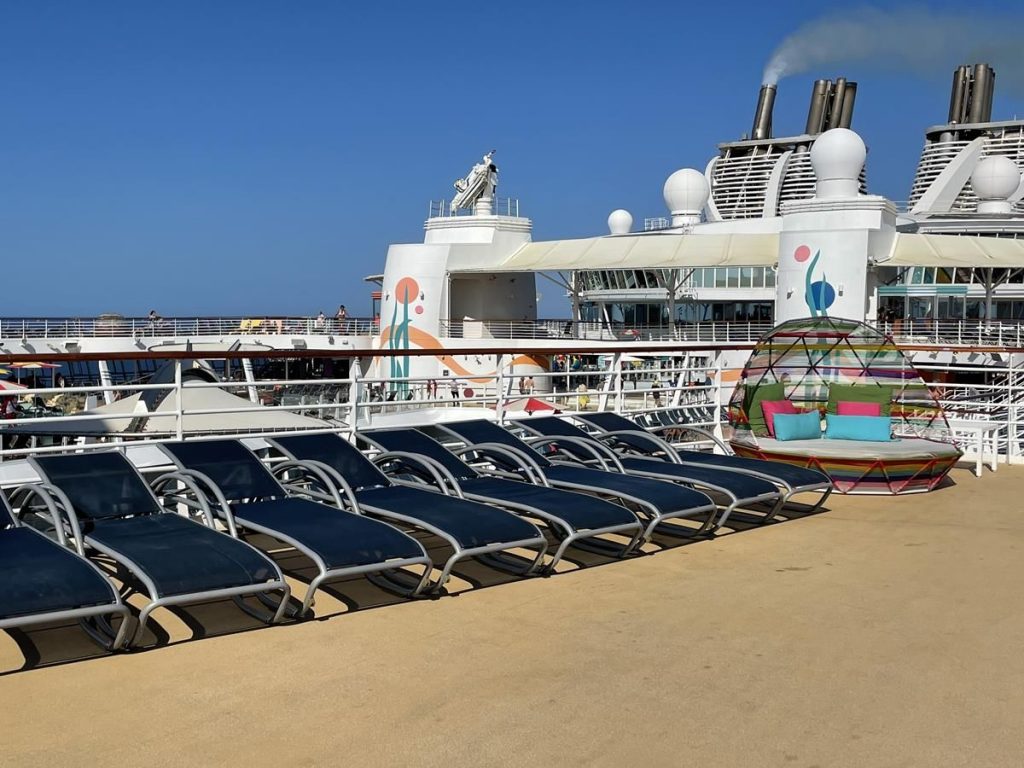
x: 237, y: 517
x: 104, y: 635
x: 157, y: 601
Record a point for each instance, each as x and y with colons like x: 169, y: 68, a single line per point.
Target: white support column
x: 499, y: 404
x: 717, y: 410
x: 179, y: 425
x: 354, y: 395
x: 250, y: 377
x: 106, y: 381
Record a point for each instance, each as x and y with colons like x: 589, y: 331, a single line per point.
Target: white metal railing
x: 502, y: 206
x: 961, y: 333
x: 357, y: 401
x: 177, y: 327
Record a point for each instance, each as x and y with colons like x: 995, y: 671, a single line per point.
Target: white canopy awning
x: 644, y: 251
x: 916, y: 250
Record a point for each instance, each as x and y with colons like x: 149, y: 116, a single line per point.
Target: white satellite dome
x: 837, y: 157
x: 994, y: 179
x: 620, y: 222
x: 686, y: 193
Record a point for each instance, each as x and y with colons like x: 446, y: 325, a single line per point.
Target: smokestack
x: 958, y: 95
x: 763, y: 114
x: 819, y: 100
x: 835, y: 111
x: 846, y: 110
x: 981, y: 94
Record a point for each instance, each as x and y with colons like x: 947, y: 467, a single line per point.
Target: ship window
x: 734, y: 277
x: 769, y: 277
x: 720, y: 277
x: 745, y: 278
x: 757, y: 277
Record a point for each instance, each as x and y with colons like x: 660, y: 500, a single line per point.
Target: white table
x: 981, y: 432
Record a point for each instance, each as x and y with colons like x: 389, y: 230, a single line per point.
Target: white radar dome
x: 995, y: 178
x: 620, y: 222
x: 837, y: 157
x: 686, y: 193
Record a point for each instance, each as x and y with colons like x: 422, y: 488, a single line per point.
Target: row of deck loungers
x: 348, y: 515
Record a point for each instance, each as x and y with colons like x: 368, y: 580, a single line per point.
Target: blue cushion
x: 798, y: 426
x: 873, y: 428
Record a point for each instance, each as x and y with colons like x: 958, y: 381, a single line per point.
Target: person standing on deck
x: 341, y: 318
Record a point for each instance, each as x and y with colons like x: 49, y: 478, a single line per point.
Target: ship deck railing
x: 960, y: 333
x: 695, y: 393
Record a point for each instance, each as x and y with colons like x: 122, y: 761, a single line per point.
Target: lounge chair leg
x: 402, y: 583
x: 102, y: 632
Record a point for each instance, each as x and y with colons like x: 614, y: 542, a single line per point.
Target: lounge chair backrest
x: 482, y: 431
x: 551, y: 426
x: 413, y: 441
x: 337, y: 453
x: 611, y: 422
x: 233, y: 467
x: 99, y: 485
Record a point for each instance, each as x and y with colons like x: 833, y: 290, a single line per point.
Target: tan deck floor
x: 884, y: 632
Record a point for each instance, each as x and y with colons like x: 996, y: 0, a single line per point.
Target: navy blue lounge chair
x: 739, y: 490
x: 573, y: 518
x: 43, y: 581
x: 177, y: 560
x: 627, y: 437
x: 657, y: 500
x: 243, y: 493
x: 472, y: 529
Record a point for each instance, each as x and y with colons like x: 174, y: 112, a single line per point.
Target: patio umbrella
x: 34, y: 366
x: 531, y: 405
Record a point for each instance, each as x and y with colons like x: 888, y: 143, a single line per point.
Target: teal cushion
x: 798, y: 426
x: 873, y: 428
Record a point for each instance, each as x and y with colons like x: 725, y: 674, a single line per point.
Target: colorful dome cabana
x: 810, y: 355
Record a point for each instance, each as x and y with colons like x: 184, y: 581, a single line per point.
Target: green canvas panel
x: 864, y: 393
x: 755, y: 415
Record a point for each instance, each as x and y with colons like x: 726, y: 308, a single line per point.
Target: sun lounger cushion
x: 861, y: 393
x: 877, y: 428
x: 99, y: 487
x: 800, y: 426
x: 773, y: 407
x: 471, y: 523
x: 182, y: 556
x: 341, y: 539
x: 39, y: 576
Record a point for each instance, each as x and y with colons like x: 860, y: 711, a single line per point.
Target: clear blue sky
x: 258, y: 157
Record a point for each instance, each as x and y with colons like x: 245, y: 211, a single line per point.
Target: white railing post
x: 105, y: 380
x: 499, y: 402
x: 616, y: 371
x: 717, y: 409
x: 354, y: 396
x: 250, y: 377
x: 179, y: 419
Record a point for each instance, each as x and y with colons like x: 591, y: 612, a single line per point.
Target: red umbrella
x: 11, y: 385
x: 531, y: 405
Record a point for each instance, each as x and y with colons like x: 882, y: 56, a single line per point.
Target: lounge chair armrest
x: 208, y: 491
x: 509, y: 455
x: 642, y: 436
x: 442, y: 477
x: 312, y: 475
x: 603, y: 455
x: 58, y: 507
x: 164, y: 489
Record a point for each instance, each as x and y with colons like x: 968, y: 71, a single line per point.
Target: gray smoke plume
x: 910, y: 39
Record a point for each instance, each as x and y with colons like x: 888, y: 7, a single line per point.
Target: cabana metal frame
x: 808, y: 355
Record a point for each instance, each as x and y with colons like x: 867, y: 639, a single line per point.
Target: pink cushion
x: 850, y: 408
x: 772, y: 407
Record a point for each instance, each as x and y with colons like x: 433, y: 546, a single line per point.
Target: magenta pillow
x: 850, y: 408
x: 772, y: 407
